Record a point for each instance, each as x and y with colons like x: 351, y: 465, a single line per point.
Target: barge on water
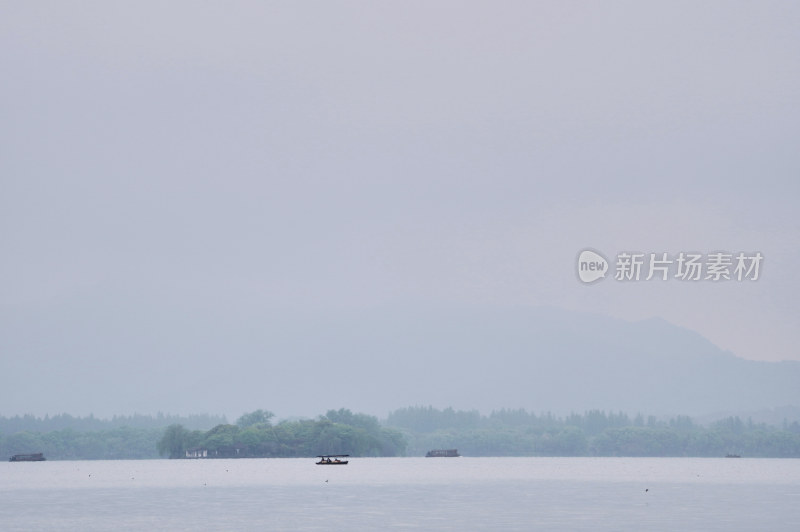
x: 442, y: 453
x: 35, y: 457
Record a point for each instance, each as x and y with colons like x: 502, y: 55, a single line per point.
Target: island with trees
x: 254, y: 436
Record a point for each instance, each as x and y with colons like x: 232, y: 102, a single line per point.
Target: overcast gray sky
x: 237, y: 160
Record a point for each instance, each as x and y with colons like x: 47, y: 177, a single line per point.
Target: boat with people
x: 332, y: 459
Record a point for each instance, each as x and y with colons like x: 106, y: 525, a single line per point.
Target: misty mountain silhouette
x: 540, y: 359
x: 549, y: 359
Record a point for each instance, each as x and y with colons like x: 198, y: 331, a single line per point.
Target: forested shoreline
x: 66, y: 437
x: 593, y: 433
x: 405, y: 432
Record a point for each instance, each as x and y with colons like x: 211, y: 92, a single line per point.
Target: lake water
x: 403, y: 494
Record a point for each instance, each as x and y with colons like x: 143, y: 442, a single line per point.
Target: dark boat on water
x: 442, y: 453
x: 35, y: 457
x: 325, y: 459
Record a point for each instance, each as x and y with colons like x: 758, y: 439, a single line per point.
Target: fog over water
x: 208, y: 207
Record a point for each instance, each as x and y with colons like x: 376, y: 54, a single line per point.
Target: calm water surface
x: 403, y: 494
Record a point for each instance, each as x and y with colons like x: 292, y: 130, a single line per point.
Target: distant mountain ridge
x: 549, y: 359
x: 298, y: 364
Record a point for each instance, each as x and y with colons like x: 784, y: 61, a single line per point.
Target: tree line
x: 66, y: 437
x: 409, y: 431
x: 68, y: 444
x: 593, y: 433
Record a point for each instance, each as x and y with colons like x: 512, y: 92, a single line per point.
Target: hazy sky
x: 239, y: 160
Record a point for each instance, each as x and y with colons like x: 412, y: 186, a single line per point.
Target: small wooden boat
x: 35, y: 457
x: 332, y: 459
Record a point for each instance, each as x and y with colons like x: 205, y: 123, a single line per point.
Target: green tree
x: 221, y: 436
x: 174, y: 442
